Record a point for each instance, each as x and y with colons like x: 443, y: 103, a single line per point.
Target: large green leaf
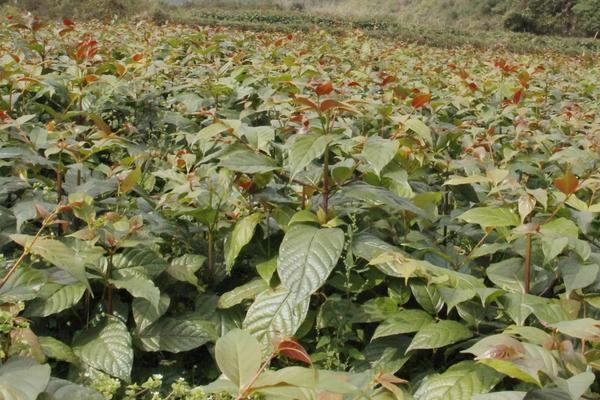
x: 513, y: 395
x: 238, y: 356
x: 176, y: 334
x: 107, y: 347
x: 56, y: 253
x: 378, y: 152
x: 23, y: 379
x: 306, y: 258
x: 61, y: 299
x: 491, y: 217
x: 459, y: 382
x: 440, y: 334
x: 274, y: 315
x: 305, y: 149
x: 240, y: 236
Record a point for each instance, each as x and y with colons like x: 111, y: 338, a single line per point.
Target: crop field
x: 218, y: 213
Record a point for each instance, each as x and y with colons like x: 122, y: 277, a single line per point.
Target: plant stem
x: 325, y: 191
x: 244, y: 390
x: 527, y: 277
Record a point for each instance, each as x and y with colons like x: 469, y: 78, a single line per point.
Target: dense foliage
x: 226, y: 206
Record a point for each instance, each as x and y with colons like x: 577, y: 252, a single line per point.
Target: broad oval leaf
x: 491, y: 217
x: 238, y: 356
x: 306, y: 258
x: 107, y: 347
x: 176, y: 334
x: 240, y: 236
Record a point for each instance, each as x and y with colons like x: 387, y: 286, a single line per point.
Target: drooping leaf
x: 56, y: 253
x: 145, y: 313
x: 240, y: 236
x: 247, y: 291
x: 63, y: 298
x: 57, y: 350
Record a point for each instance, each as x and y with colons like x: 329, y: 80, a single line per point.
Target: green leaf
x: 560, y: 227
x: 378, y: 152
x: 241, y: 293
x: 521, y: 369
x: 501, y: 396
x: 238, y: 356
x: 57, y: 254
x: 305, y: 149
x: 248, y: 162
x: 145, y: 313
x: 61, y: 389
x: 176, y: 334
x: 440, y: 334
x: 266, y: 269
x: 405, y: 321
x: 552, y: 247
x: 139, y: 286
x: 307, y: 256
x: 274, y: 315
x: 138, y: 261
x: 107, y: 347
x: 422, y: 130
x: 57, y: 350
x: 508, y: 274
x: 381, y: 198
x: 578, y: 276
x: 23, y: 379
x: 491, y: 217
x: 459, y: 382
x: 427, y: 296
x: 23, y: 285
x: 132, y: 178
x: 586, y: 328
x: 452, y: 297
x: 240, y: 236
x: 61, y: 299
x: 184, y: 268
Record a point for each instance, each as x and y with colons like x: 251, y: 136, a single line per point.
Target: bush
x: 519, y: 22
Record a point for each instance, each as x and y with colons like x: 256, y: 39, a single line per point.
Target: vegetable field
x: 211, y: 213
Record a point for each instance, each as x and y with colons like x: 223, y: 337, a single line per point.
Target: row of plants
x: 212, y: 213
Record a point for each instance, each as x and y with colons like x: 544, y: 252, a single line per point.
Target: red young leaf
x: 388, y: 79
x: 137, y: 57
x: 421, y: 100
x: 306, y: 102
x: 68, y: 22
x: 292, y: 349
x: 567, y: 184
x: 517, y: 97
x: 324, y: 88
